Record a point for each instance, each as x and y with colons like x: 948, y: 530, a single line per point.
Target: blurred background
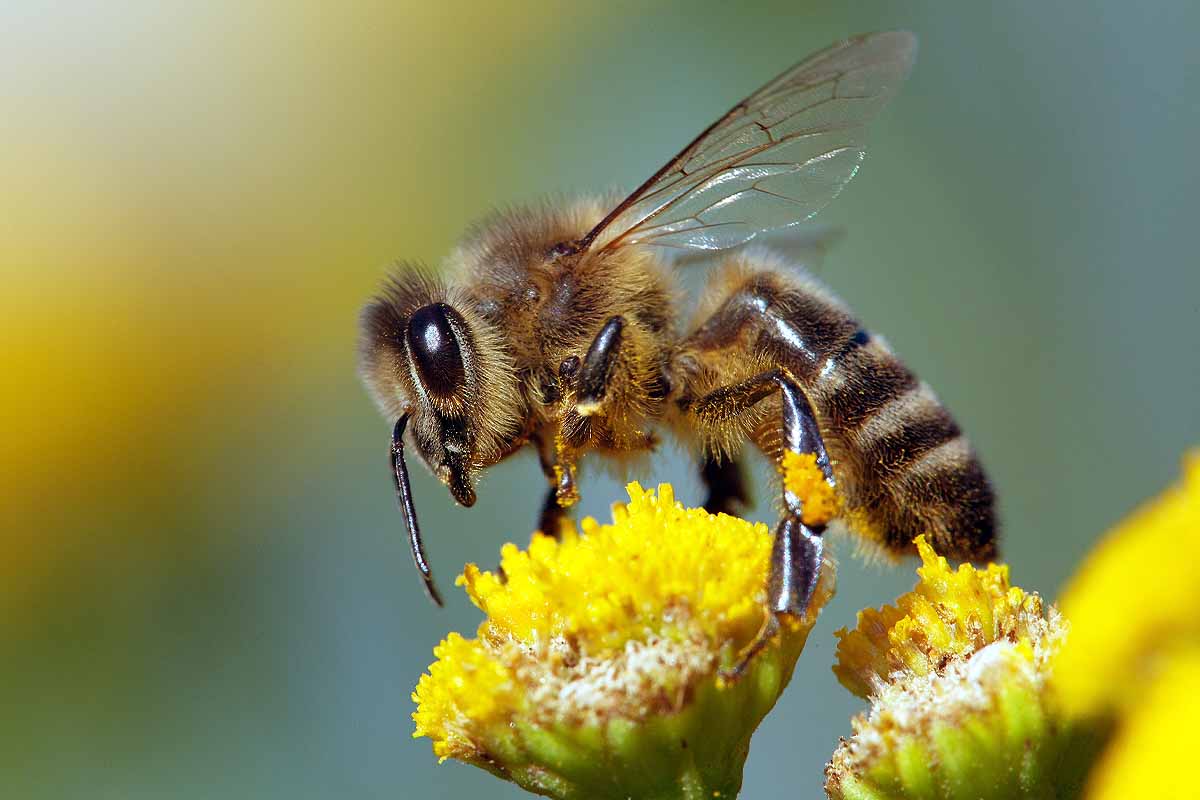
x: 204, y: 585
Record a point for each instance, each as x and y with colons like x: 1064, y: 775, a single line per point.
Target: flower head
x: 956, y: 675
x: 1134, y: 600
x: 596, y: 670
x: 977, y: 691
x: 949, y: 616
x: 1132, y: 664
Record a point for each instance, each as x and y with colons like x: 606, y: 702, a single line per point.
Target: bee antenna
x: 404, y: 495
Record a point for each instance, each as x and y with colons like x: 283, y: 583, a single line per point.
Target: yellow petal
x: 1135, y: 596
x: 1152, y: 752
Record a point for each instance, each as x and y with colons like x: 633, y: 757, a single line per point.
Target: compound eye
x: 435, y: 350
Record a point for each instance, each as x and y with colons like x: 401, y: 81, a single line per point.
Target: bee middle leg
x: 725, y: 483
x: 552, y: 515
x: 798, y: 548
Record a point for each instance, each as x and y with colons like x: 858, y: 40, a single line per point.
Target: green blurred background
x: 204, y: 588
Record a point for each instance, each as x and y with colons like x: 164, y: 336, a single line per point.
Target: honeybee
x: 555, y: 327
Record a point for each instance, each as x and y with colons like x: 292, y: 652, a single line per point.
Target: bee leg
x: 552, y: 513
x: 799, y: 424
x: 797, y: 549
x: 795, y: 569
x: 796, y: 554
x: 598, y: 366
x: 726, y: 485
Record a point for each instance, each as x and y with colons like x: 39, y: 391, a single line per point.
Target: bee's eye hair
x: 433, y: 343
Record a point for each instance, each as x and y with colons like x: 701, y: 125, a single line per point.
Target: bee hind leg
x: 798, y: 548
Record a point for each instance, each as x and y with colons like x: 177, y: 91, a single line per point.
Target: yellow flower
x: 977, y: 692
x: 1151, y: 753
x: 956, y: 675
x: 1136, y: 597
x: 1133, y: 659
x: 949, y: 615
x: 596, y: 672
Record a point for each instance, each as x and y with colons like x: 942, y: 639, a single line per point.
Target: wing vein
x: 807, y: 125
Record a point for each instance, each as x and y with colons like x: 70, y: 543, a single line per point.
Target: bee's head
x: 425, y: 353
x: 437, y: 346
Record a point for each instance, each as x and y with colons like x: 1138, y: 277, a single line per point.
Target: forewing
x: 774, y: 160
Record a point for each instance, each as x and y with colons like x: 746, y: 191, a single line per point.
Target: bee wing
x: 774, y: 160
x: 804, y: 245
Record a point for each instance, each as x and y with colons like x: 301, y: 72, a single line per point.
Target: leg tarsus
x: 561, y: 481
x: 795, y: 566
x: 768, y: 631
x: 795, y: 572
x: 552, y: 515
x: 566, y: 491
x: 559, y: 461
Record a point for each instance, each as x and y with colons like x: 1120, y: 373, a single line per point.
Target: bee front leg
x: 798, y: 548
x: 553, y: 513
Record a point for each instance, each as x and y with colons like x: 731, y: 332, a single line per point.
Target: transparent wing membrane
x: 774, y: 160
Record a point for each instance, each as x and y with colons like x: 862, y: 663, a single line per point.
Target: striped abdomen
x: 903, y: 465
x: 908, y: 468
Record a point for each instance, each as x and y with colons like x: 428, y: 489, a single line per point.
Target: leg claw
x: 766, y: 634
